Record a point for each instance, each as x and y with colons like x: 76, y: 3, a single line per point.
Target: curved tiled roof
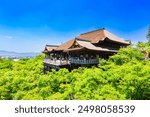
x: 101, y: 35
x: 49, y: 48
x: 66, y: 45
x: 92, y: 37
x: 90, y: 46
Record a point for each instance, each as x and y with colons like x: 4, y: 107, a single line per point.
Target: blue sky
x: 27, y: 25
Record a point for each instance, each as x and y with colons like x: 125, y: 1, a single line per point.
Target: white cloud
x: 8, y: 37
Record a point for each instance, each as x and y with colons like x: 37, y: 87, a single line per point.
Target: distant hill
x: 18, y: 55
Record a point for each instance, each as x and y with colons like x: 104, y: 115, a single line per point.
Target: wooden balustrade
x: 71, y: 61
x: 56, y: 62
x: 90, y: 61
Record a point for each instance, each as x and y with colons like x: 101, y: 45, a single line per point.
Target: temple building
x: 83, y: 50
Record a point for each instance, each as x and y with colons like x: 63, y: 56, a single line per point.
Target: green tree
x: 126, y: 55
x: 124, y: 76
x: 148, y: 35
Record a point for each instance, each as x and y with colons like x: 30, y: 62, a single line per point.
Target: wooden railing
x: 56, y: 62
x: 91, y: 61
x: 71, y: 61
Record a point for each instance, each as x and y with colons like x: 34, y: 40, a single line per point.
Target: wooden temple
x: 83, y: 50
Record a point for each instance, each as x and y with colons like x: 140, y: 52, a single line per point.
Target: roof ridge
x: 93, y: 31
x: 52, y: 45
x: 81, y: 39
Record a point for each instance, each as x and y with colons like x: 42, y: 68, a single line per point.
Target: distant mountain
x: 18, y: 55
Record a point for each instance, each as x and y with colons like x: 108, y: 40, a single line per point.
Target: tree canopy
x: 148, y: 35
x: 125, y: 75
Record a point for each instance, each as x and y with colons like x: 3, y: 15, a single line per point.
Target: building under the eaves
x: 83, y: 50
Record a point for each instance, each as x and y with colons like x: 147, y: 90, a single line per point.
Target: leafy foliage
x: 148, y: 35
x: 125, y: 75
x: 125, y: 55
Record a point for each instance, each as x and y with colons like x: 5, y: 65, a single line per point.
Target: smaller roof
x: 65, y: 46
x: 90, y: 46
x: 85, y: 44
x: 74, y: 49
x: 50, y: 48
